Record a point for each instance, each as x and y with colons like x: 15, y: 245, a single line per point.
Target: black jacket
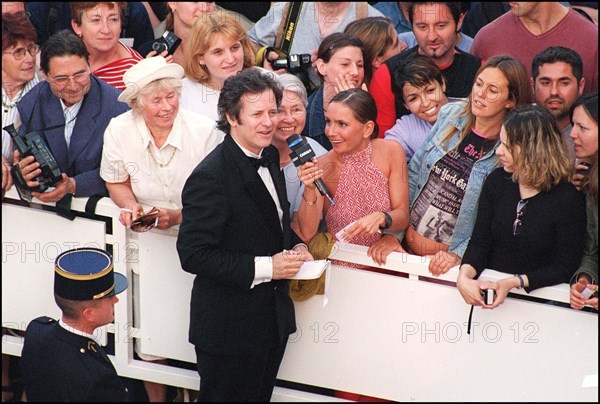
x: 229, y: 218
x: 59, y: 366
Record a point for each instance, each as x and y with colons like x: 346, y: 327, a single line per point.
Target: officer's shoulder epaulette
x: 44, y: 320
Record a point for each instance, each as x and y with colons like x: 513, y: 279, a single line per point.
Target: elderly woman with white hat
x: 150, y: 151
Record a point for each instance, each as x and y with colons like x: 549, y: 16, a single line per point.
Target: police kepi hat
x: 86, y: 274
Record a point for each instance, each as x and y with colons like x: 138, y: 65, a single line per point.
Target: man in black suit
x: 63, y: 361
x: 234, y: 238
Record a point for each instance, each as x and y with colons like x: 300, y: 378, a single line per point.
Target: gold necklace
x: 8, y: 105
x: 285, y: 162
x: 161, y: 165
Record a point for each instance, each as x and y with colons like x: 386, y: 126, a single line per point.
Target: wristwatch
x: 388, y: 221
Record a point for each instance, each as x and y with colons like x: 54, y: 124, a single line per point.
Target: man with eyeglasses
x: 71, y: 110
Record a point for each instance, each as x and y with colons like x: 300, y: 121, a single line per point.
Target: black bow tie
x: 261, y: 162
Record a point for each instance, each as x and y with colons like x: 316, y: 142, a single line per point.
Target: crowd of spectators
x: 451, y: 130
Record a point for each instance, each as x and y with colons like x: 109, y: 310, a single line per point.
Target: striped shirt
x: 112, y: 73
x: 10, y: 114
x: 70, y: 118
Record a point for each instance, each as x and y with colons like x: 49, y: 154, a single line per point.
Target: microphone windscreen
x: 293, y: 140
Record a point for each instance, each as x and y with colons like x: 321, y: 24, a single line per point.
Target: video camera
x: 33, y: 144
x: 167, y: 42
x: 293, y: 63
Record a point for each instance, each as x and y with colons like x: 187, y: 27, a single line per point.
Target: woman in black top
x: 531, y: 219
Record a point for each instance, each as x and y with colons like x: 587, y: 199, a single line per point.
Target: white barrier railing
x: 401, y: 338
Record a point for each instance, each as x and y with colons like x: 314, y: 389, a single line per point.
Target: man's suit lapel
x: 85, y: 125
x: 279, y: 182
x: 254, y: 185
x: 52, y: 115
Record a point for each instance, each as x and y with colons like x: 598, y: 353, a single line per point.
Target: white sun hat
x: 145, y: 72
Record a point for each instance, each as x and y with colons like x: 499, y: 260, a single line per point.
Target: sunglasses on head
x: 518, y: 224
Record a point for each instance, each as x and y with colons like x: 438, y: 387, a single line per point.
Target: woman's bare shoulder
x: 387, y: 148
x: 326, y: 158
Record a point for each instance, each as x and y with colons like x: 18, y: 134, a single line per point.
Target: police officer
x: 63, y: 361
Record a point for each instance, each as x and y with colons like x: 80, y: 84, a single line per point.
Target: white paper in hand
x: 311, y: 269
x: 340, y: 234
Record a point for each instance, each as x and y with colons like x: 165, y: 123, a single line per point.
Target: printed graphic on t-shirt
x: 434, y: 212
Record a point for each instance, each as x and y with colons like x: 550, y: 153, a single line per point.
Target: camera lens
x: 280, y: 63
x: 159, y: 47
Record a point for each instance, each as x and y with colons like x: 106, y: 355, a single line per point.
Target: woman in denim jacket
x: 447, y: 173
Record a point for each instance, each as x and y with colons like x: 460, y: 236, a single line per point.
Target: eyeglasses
x: 518, y: 224
x: 20, y: 53
x: 63, y: 80
x: 295, y: 111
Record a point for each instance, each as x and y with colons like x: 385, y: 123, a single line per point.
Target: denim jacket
x: 433, y: 150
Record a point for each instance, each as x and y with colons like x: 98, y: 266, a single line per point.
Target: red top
x: 112, y: 73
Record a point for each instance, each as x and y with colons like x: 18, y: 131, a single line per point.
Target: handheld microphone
x: 302, y: 153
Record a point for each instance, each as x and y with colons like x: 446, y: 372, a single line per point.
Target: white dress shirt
x: 70, y: 114
x: 263, y: 266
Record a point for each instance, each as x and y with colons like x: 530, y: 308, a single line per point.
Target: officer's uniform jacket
x: 59, y: 366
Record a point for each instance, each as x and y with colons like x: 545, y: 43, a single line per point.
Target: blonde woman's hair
x: 519, y: 90
x: 206, y: 27
x: 542, y: 161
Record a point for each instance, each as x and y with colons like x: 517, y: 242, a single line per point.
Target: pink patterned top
x: 362, y: 189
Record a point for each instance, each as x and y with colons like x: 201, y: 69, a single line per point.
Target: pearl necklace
x: 161, y: 165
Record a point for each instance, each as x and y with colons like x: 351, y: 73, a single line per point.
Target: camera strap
x: 43, y: 129
x: 470, y: 319
x: 287, y: 28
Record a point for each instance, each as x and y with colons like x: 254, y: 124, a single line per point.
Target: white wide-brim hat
x: 145, y: 72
